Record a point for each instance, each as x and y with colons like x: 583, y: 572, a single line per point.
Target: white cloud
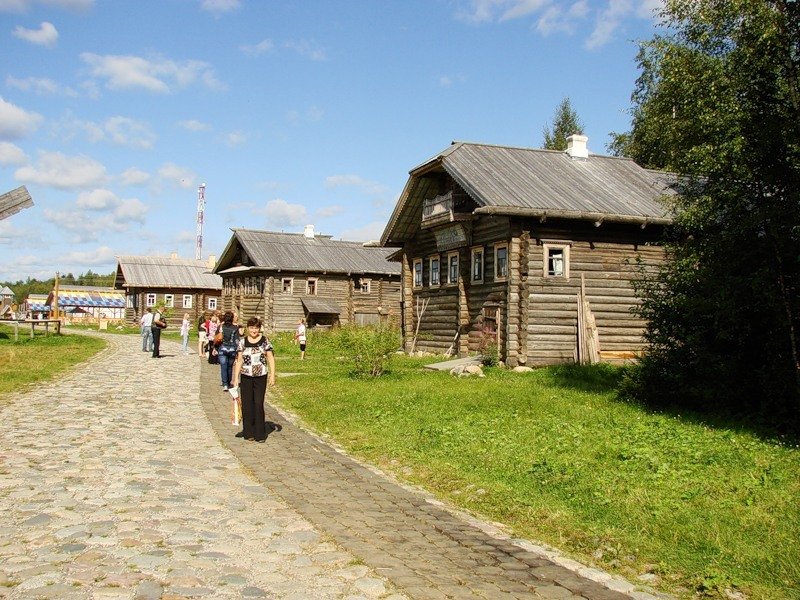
x: 134, y: 176
x: 157, y: 75
x: 329, y: 211
x: 57, y: 170
x: 370, y: 231
x: 10, y: 234
x: 175, y: 175
x: 280, y: 213
x: 194, y: 125
x: 235, y: 138
x: 649, y: 9
x: 608, y: 21
x: 307, y: 49
x: 46, y: 35
x: 102, y: 255
x: 20, y: 6
x: 98, y: 199
x: 12, y: 155
x: 99, y: 211
x: 220, y: 6
x: 16, y: 122
x: 122, y: 131
x: 35, y: 84
x: 554, y: 19
x: 258, y: 49
x: 368, y: 187
x: 522, y: 8
x: 311, y: 115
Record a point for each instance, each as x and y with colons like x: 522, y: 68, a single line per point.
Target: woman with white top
x: 253, y: 371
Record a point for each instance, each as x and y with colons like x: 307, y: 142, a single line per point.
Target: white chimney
x: 576, y: 146
x: 212, y: 260
x: 309, y: 231
x: 174, y: 256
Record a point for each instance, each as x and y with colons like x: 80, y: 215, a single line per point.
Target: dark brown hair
x: 254, y: 322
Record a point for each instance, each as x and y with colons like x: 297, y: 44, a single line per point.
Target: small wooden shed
x: 533, y: 250
x: 283, y: 277
x: 183, y: 285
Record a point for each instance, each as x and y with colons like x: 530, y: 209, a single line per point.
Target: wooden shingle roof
x: 269, y: 250
x: 165, y: 272
x: 537, y: 183
x: 14, y: 201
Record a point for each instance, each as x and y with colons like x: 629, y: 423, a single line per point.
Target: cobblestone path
x: 424, y: 550
x: 114, y: 485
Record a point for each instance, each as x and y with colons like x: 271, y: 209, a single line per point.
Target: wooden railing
x: 433, y: 207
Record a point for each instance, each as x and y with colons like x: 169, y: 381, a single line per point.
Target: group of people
x: 245, y: 356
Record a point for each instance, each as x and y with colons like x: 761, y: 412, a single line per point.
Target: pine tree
x: 565, y: 123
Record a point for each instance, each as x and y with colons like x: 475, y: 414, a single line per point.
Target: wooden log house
x: 282, y: 277
x: 183, y: 285
x: 532, y: 250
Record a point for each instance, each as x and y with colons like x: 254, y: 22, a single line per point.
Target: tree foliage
x: 565, y: 123
x: 718, y: 103
x: 22, y: 289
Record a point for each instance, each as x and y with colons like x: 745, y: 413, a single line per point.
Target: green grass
x: 557, y: 458
x: 29, y: 361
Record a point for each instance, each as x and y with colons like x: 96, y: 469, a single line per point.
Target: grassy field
x: 29, y: 361
x: 557, y: 458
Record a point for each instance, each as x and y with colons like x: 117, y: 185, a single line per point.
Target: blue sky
x: 113, y: 112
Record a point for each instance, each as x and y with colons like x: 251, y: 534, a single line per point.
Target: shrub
x: 368, y: 348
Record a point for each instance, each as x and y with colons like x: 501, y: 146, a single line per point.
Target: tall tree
x: 565, y: 123
x: 718, y: 103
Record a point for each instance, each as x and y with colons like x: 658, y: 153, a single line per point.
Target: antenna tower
x: 201, y: 207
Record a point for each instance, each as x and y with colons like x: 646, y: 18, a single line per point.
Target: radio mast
x: 201, y: 207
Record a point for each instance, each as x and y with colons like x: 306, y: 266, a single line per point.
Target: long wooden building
x: 182, y: 285
x: 282, y: 277
x: 532, y: 250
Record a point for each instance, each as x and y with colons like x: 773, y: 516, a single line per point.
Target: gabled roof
x: 165, y: 272
x: 269, y: 250
x: 14, y: 201
x: 6, y: 291
x: 536, y: 183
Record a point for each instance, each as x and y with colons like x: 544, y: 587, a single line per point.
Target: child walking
x: 185, y: 333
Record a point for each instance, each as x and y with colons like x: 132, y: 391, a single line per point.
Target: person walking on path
x: 300, y: 336
x: 253, y: 371
x: 228, y: 348
x: 185, y: 333
x: 213, y: 326
x: 146, y: 322
x: 158, y: 324
x: 202, y: 335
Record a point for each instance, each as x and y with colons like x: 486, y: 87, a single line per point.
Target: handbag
x: 161, y: 324
x: 218, y: 338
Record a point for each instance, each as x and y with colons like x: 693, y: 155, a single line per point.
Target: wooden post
x: 55, y: 299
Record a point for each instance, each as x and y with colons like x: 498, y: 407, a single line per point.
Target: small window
x: 311, y: 286
x: 417, y: 272
x: 433, y: 267
x: 452, y: 268
x: 501, y: 262
x: 287, y: 285
x: 366, y: 286
x: 556, y: 260
x: 212, y: 304
x: 187, y: 301
x: 151, y: 299
x: 169, y: 300
x: 476, y: 268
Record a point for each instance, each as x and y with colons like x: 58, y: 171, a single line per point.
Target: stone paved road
x: 426, y: 551
x: 114, y: 485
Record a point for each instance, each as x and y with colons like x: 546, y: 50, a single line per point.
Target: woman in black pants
x: 253, y: 371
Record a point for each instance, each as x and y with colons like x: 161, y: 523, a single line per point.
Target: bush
x: 368, y: 348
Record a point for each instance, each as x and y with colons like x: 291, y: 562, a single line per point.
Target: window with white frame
x: 151, y: 300
x: 365, y: 285
x: 311, y: 286
x: 500, y: 262
x: 212, y: 304
x: 452, y: 268
x: 417, y: 272
x: 476, y: 265
x: 287, y: 284
x: 187, y: 301
x: 434, y: 270
x: 169, y: 300
x: 556, y: 260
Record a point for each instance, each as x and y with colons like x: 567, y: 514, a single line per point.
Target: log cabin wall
x: 199, y: 303
x: 607, y: 258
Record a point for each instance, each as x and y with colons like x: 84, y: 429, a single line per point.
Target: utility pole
x: 201, y: 207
